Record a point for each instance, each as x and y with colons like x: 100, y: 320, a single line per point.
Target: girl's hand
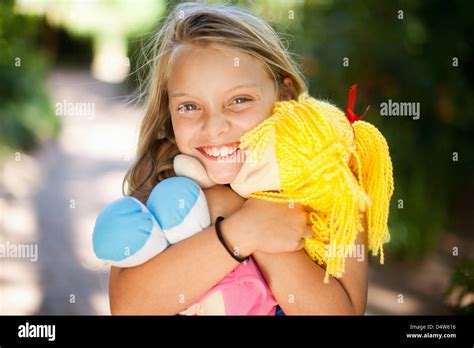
x: 222, y: 201
x: 268, y: 227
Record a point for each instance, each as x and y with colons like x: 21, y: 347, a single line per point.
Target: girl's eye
x: 240, y: 104
x: 241, y: 100
x: 186, y: 107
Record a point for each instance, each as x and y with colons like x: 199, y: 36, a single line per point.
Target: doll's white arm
x: 190, y: 167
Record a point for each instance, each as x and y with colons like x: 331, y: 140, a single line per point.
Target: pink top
x: 243, y: 291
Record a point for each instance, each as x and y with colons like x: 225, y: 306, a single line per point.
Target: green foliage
x: 109, y: 18
x: 461, y: 286
x: 26, y: 115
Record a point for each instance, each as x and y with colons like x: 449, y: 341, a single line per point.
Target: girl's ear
x: 285, y: 88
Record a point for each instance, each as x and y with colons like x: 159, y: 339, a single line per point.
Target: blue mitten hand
x: 126, y: 234
x: 180, y: 207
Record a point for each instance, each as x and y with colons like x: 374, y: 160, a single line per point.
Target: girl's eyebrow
x: 180, y: 93
x: 247, y: 83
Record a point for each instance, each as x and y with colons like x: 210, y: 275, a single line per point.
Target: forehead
x: 194, y: 65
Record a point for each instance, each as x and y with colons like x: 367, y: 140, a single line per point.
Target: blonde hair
x: 192, y: 23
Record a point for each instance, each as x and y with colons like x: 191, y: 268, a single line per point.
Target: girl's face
x: 215, y: 95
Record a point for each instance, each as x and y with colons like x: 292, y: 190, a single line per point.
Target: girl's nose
x: 215, y: 124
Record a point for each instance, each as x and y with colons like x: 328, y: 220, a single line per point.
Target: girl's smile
x: 220, y: 152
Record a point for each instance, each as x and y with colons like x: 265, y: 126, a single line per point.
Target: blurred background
x: 68, y: 132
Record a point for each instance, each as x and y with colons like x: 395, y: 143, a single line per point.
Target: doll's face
x: 215, y: 95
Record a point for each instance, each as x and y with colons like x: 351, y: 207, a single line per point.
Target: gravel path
x: 52, y: 196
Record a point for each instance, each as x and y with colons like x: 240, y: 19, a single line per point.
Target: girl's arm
x: 173, y: 280
x: 297, y: 282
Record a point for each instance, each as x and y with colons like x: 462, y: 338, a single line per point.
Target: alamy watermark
x: 68, y: 108
x: 19, y: 251
x: 392, y: 108
x: 28, y: 330
x: 241, y: 156
x: 356, y: 251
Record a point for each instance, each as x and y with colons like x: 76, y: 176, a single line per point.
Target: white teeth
x: 232, y: 150
x: 220, y: 152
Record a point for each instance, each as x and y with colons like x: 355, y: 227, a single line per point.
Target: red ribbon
x: 351, y: 116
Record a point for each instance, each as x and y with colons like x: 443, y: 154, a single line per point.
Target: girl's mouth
x: 225, y: 152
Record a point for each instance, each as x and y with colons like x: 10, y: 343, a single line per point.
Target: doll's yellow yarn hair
x: 338, y: 170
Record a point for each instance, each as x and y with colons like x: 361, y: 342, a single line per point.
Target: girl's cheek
x: 251, y: 118
x: 179, y: 132
x: 185, y: 131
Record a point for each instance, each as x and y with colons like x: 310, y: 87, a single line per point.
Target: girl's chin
x: 223, y: 174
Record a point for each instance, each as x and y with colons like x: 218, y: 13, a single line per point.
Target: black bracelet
x: 221, y: 239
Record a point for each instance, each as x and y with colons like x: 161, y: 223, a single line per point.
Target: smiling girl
x: 217, y: 72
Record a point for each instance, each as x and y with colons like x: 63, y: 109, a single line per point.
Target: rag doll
x: 338, y: 166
